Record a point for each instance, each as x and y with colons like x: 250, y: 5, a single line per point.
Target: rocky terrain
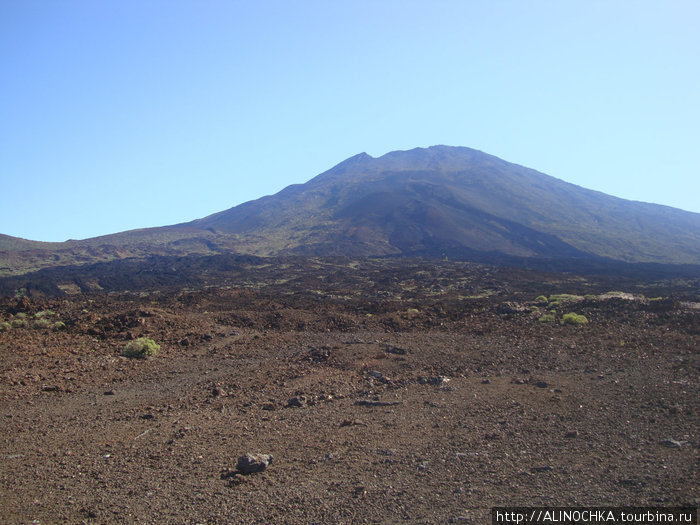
x: 385, y: 391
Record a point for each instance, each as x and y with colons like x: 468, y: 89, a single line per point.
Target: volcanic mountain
x: 427, y: 201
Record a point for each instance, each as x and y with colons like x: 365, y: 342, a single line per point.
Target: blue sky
x: 122, y: 114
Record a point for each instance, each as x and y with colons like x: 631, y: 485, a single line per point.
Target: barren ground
x: 429, y: 393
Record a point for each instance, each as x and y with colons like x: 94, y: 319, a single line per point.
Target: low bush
x: 19, y: 323
x: 58, y: 325
x: 573, y: 318
x: 565, y: 297
x: 141, y: 348
x: 5, y: 326
x: 541, y: 299
x: 41, y: 323
x: 547, y: 318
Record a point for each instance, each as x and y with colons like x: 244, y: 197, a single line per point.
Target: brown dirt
x: 427, y: 396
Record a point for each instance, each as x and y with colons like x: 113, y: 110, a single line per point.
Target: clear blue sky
x: 121, y: 114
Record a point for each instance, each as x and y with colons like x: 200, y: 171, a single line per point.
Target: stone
x: 373, y: 403
x: 438, y: 380
x: 297, y: 402
x: 672, y: 443
x: 510, y: 307
x: 352, y: 423
x: 253, y: 463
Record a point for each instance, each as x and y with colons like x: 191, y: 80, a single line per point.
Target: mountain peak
x: 441, y: 199
x: 434, y: 201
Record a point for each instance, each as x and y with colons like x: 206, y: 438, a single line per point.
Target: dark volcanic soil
x: 425, y: 393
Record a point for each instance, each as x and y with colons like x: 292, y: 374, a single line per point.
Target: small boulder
x: 672, y: 443
x: 297, y: 402
x: 253, y: 463
x: 439, y: 380
x: 512, y: 308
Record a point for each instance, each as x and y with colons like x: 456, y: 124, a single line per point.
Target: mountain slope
x: 426, y: 201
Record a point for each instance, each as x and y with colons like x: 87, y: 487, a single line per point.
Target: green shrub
x: 40, y: 323
x: 44, y: 313
x: 547, y: 318
x: 541, y: 299
x: 19, y: 323
x: 58, y: 325
x: 5, y: 326
x: 565, y: 297
x: 572, y: 318
x: 141, y: 348
x: 20, y: 315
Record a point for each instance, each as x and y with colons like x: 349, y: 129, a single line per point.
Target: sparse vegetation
x: 573, y: 318
x: 542, y: 299
x: 44, y: 313
x: 5, y: 326
x: 40, y: 324
x: 565, y: 297
x: 18, y: 322
x: 141, y: 348
x: 283, y: 361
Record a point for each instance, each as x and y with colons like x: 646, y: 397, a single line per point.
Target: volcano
x: 436, y: 202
